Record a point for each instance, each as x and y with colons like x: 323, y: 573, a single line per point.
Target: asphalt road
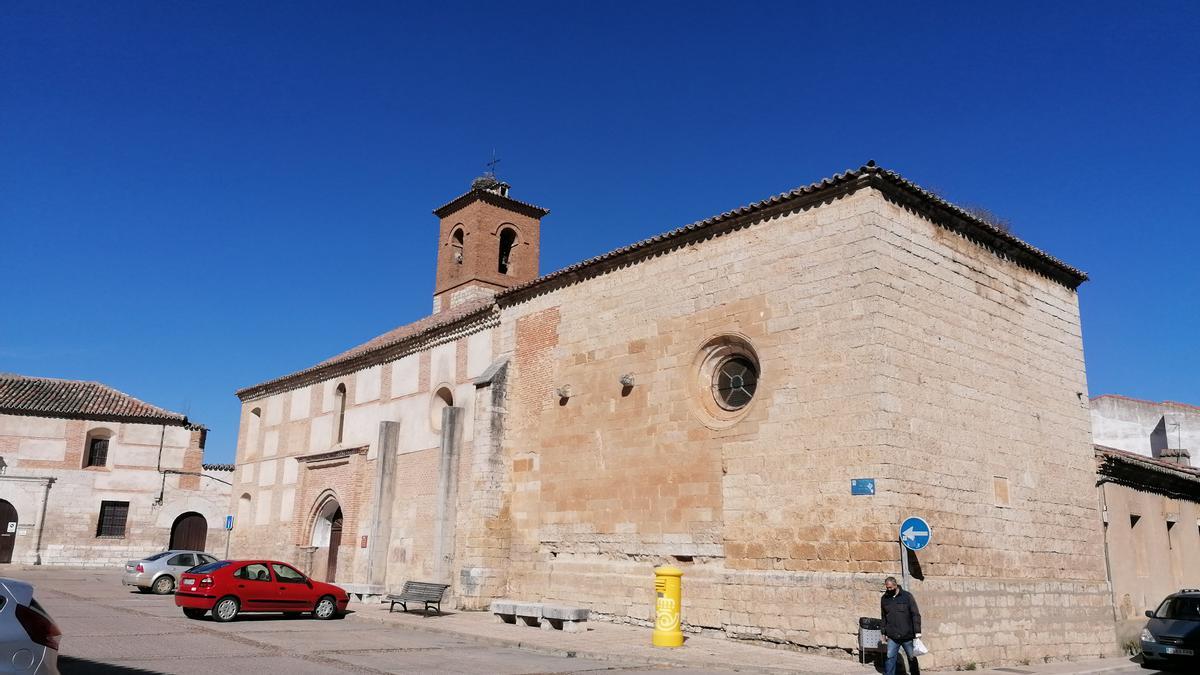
x: 109, y: 629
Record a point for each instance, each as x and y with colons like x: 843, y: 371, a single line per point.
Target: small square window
x: 1000, y: 489
x: 112, y: 519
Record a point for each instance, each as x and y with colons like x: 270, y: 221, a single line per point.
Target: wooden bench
x: 418, y: 591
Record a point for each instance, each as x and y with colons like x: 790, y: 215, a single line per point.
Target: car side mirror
x: 308, y: 582
x: 1150, y: 613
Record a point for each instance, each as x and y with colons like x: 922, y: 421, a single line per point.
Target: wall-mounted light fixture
x: 627, y: 380
x: 564, y: 391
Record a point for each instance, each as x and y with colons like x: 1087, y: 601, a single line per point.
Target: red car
x: 230, y: 587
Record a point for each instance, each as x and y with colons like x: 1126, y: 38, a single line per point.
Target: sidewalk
x: 626, y: 645
x: 1091, y: 667
x: 618, y: 644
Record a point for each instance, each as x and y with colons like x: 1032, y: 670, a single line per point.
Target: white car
x: 160, y: 572
x: 28, y: 636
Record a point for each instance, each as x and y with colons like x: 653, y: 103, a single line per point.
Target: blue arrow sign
x: 915, y: 533
x: 229, y: 522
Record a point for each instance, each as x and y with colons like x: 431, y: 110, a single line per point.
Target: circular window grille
x: 734, y: 382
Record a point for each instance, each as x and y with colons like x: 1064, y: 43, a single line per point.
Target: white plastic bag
x: 919, y: 648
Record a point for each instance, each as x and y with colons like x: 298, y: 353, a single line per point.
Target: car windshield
x: 210, y: 567
x: 156, y: 556
x: 1179, y: 608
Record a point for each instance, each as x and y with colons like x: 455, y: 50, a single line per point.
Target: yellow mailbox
x: 667, y: 606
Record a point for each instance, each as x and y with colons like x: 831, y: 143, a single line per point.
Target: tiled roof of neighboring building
x: 75, y: 399
x: 390, y: 342
x: 1149, y: 474
x: 940, y: 210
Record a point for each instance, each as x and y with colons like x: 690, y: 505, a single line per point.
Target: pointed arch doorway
x: 327, y: 535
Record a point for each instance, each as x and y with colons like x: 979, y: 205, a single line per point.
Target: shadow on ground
x: 69, y: 665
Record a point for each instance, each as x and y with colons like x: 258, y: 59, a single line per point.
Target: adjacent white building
x: 92, y: 476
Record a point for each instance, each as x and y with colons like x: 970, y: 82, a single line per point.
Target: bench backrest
x: 423, y: 590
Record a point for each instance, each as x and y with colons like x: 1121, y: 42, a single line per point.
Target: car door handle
x: 241, y: 585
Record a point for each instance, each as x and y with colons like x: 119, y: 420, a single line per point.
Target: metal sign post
x: 915, y: 534
x: 228, y: 529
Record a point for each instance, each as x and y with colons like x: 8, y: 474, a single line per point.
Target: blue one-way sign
x: 915, y: 533
x: 229, y: 522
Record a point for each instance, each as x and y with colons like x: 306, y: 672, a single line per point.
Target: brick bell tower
x: 487, y: 242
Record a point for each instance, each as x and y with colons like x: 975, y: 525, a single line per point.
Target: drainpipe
x: 37, y: 544
x: 163, y: 489
x: 1112, y: 592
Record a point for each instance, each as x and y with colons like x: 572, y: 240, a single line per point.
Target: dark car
x: 231, y: 587
x: 1171, y: 638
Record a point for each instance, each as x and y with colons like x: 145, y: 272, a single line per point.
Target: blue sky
x: 195, y: 197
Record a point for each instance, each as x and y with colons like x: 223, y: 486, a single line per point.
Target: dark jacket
x: 901, y: 618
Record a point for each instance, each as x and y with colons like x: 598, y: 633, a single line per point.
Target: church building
x: 705, y: 398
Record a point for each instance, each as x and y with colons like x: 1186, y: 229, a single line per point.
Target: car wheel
x: 226, y: 609
x: 326, y: 608
x: 163, y: 585
x: 194, y: 612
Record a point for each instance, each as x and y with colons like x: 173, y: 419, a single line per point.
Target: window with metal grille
x: 112, y: 519
x: 97, y: 452
x: 734, y: 382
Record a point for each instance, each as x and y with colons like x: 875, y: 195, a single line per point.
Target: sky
x: 197, y: 197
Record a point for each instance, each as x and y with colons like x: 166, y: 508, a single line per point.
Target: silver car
x: 28, y: 636
x: 160, y: 572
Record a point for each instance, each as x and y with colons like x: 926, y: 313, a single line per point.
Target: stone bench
x: 548, y: 616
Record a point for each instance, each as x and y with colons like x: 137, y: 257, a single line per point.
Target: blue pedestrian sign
x: 915, y: 533
x: 229, y: 522
x: 862, y: 486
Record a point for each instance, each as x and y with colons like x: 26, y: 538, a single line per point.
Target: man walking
x: 901, y: 624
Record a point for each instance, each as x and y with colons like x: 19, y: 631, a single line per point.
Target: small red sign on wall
x: 364, y: 542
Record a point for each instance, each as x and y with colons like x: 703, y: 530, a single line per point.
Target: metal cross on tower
x: 492, y: 164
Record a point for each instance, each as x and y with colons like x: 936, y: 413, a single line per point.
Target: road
x: 111, y: 630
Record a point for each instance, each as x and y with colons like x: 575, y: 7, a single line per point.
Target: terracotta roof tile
x: 1103, y: 452
x: 868, y: 174
x: 531, y: 210
x: 75, y: 399
x: 392, y: 338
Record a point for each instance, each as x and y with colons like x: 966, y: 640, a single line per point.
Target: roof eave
x: 460, y: 202
x: 365, y: 359
x: 124, y: 419
x: 889, y: 183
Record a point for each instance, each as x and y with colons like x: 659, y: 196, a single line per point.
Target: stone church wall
x: 888, y: 349
x: 985, y: 401
x: 290, y: 462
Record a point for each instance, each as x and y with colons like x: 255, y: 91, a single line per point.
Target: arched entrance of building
x: 8, y: 530
x: 327, y: 534
x: 190, y: 532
